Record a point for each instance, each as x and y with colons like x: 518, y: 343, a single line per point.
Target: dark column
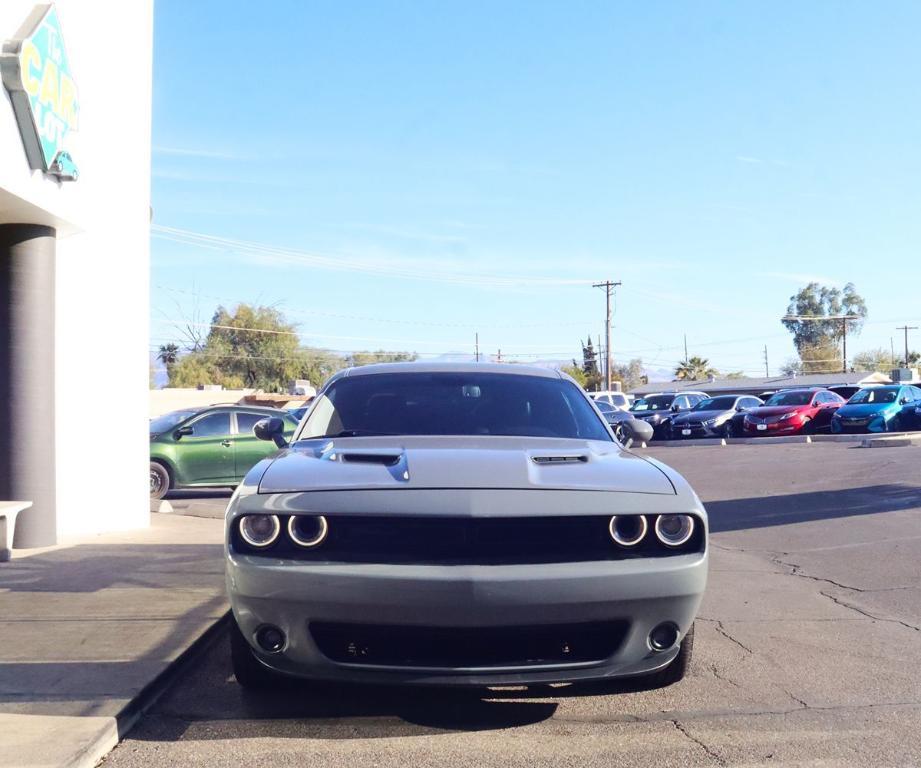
x: 27, y: 379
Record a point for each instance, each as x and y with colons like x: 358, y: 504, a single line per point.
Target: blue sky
x: 406, y: 174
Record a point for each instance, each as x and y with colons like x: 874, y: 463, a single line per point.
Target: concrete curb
x: 891, y: 441
x: 781, y: 440
x: 116, y: 728
x: 713, y: 442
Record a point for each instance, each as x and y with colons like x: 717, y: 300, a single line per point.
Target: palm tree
x: 695, y: 369
x: 169, y: 354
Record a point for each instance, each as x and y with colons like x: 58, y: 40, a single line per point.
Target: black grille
x: 470, y: 541
x: 460, y: 647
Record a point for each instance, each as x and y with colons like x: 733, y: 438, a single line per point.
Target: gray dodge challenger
x: 463, y: 524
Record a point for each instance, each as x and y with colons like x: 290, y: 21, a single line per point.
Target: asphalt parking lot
x: 807, y: 652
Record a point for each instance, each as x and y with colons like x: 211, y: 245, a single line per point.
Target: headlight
x: 674, y: 530
x: 790, y: 415
x: 307, y: 530
x: 259, y: 530
x: 628, y: 530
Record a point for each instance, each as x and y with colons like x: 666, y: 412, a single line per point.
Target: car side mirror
x: 271, y: 428
x: 182, y: 431
x: 637, y: 431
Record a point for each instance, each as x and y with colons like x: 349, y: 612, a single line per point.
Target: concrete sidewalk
x: 86, y: 630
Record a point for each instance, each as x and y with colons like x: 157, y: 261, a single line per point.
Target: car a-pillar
x: 27, y: 450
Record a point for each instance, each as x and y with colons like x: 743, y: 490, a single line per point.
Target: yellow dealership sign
x: 36, y: 72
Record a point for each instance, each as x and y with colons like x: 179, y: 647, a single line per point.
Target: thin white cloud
x: 210, y: 154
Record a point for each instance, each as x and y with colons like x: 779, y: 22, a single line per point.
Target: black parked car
x: 719, y: 416
x: 656, y: 410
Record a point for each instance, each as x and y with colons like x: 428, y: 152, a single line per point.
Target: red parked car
x: 792, y: 411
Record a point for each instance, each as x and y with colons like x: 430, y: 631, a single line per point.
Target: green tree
x: 819, y: 357
x: 576, y: 372
x: 821, y: 301
x: 695, y: 369
x: 880, y: 360
x: 630, y: 375
x: 253, y: 347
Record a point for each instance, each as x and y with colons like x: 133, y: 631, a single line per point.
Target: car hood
x: 461, y: 462
x: 775, y: 410
x: 698, y: 416
x: 859, y: 410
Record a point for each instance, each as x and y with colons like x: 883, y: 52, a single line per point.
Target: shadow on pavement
x: 210, y: 696
x: 765, y: 511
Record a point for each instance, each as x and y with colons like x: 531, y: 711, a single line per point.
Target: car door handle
x: 226, y: 443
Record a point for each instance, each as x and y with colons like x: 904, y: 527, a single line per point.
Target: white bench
x: 8, y: 512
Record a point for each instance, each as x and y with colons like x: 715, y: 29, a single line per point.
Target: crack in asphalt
x: 720, y: 760
x: 719, y: 676
x: 869, y: 615
x: 722, y: 630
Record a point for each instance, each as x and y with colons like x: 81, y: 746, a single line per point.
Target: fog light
x: 663, y: 636
x: 674, y: 530
x: 259, y: 530
x: 270, y: 639
x: 307, y: 530
x: 628, y: 530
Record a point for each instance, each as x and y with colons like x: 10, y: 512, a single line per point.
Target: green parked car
x: 204, y: 447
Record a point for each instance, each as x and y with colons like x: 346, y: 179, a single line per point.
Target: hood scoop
x: 580, y: 459
x: 362, y: 457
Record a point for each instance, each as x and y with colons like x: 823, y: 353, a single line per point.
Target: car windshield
x: 790, y: 398
x: 653, y: 403
x: 169, y: 420
x: 716, y: 404
x: 874, y: 396
x: 453, y: 403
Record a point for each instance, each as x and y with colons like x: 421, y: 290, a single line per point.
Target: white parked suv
x: 617, y: 399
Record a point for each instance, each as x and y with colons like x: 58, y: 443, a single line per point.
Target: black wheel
x: 808, y: 427
x: 159, y: 480
x: 678, y: 667
x: 619, y: 434
x: 248, y: 670
x: 730, y: 430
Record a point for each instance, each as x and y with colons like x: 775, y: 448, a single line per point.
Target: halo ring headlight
x: 628, y: 530
x: 313, y: 541
x: 259, y: 531
x: 674, y: 530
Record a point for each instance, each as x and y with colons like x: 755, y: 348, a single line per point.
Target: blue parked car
x: 875, y: 409
x: 909, y: 418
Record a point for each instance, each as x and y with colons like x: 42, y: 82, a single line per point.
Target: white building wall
x: 102, y: 290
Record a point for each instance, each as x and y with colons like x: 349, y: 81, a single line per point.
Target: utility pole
x: 891, y: 352
x: 685, y: 347
x: 499, y: 356
x: 907, y: 328
x: 478, y: 347
x: 825, y: 318
x: 767, y: 373
x: 609, y: 287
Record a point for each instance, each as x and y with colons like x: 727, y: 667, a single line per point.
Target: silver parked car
x: 471, y: 524
x: 719, y: 416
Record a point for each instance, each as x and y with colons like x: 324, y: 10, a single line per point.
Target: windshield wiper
x: 361, y: 433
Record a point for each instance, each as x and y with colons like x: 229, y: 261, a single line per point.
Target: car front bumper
x: 637, y: 593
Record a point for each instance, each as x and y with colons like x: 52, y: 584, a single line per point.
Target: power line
x: 346, y: 263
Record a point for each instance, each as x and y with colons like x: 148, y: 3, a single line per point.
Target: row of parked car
x: 806, y: 410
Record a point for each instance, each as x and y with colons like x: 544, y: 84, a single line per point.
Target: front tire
x: 248, y: 670
x: 678, y: 667
x: 730, y: 429
x: 160, y: 481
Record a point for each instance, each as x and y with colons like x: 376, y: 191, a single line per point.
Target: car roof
x: 451, y: 367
